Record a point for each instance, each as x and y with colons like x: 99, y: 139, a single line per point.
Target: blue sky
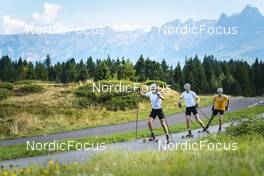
x: 120, y: 14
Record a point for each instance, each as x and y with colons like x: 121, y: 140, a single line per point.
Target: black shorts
x: 157, y: 112
x: 220, y: 112
x: 190, y: 110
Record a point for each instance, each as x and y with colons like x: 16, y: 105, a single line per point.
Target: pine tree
x: 165, y: 69
x: 82, y: 71
x: 90, y: 67
x: 41, y: 73
x: 129, y: 70
x: 140, y: 68
x: 178, y: 77
x: 200, y: 82
x: 21, y: 70
x: 30, y: 74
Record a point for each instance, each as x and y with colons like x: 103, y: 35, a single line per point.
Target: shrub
x: 85, y: 91
x: 4, y: 93
x: 82, y: 102
x: 123, y: 103
x: 247, y: 127
x: 111, y: 100
x: 6, y: 85
x: 29, y: 89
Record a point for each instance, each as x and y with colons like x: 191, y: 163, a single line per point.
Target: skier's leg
x: 164, y: 126
x: 197, y: 118
x: 210, y: 120
x: 188, y: 116
x: 220, y: 122
x: 188, y: 125
x: 150, y: 122
x: 188, y: 122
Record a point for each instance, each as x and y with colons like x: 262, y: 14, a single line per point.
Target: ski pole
x: 168, y: 129
x: 137, y: 124
x: 203, y: 114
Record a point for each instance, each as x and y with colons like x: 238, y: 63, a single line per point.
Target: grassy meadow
x: 50, y: 107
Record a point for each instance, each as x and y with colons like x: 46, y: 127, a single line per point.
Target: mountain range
x: 238, y: 36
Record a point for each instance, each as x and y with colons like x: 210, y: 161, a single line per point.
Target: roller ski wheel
x: 145, y: 140
x: 201, y: 131
x: 187, y: 136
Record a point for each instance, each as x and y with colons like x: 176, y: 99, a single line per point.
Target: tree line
x: 237, y: 77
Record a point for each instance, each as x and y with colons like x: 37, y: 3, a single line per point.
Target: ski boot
x: 189, y: 135
x: 151, y: 139
x: 168, y: 139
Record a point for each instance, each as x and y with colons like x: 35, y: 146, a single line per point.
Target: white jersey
x: 154, y: 99
x: 189, y: 98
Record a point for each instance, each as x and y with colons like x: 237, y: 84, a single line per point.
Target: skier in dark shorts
x: 191, y: 102
x: 156, y: 99
x: 220, y: 105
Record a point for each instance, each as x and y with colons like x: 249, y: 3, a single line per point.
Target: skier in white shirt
x: 191, y: 102
x: 156, y: 99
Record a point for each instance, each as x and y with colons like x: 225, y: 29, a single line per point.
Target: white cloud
x: 12, y: 25
x: 48, y: 16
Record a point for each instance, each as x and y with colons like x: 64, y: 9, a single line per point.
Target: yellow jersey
x: 220, y: 102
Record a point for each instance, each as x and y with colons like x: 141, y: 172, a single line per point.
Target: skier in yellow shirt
x: 220, y: 105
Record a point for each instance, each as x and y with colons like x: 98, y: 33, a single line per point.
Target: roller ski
x: 189, y: 135
x: 204, y: 130
x: 151, y: 139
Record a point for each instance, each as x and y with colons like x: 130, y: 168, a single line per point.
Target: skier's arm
x: 160, y: 96
x: 227, y: 104
x: 180, y: 101
x: 213, y: 104
x: 197, y: 99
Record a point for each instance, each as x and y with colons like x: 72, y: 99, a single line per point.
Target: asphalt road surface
x: 135, y: 145
x: 235, y: 104
x: 84, y: 155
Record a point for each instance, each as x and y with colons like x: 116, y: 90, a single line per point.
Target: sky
x: 17, y: 16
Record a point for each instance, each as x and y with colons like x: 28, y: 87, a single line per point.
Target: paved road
x: 82, y: 155
x: 235, y: 104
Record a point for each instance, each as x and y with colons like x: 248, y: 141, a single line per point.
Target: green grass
x: 4, y: 93
x: 6, y: 85
x: 28, y: 115
x: 29, y: 89
x: 246, y: 160
x: 18, y: 151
